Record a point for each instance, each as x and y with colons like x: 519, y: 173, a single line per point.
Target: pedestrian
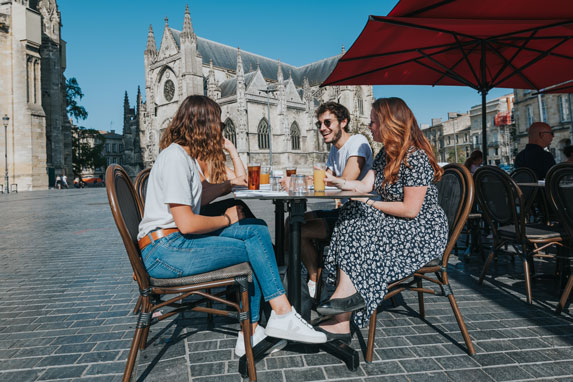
x: 58, y: 185
x: 568, y: 151
x: 65, y: 181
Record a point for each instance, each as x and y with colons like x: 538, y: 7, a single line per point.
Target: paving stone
x: 457, y: 362
x: 474, y: 375
x: 306, y: 374
x: 20, y: 375
x: 62, y: 372
x: 382, y: 368
x: 507, y: 373
x: 423, y: 364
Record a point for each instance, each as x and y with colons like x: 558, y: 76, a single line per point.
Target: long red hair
x: 399, y: 131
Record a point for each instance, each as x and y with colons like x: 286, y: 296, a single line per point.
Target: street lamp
x: 268, y: 90
x: 5, y: 120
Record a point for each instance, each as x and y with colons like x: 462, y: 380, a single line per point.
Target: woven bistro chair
x: 141, y: 191
x: 141, y: 185
x: 455, y: 194
x: 503, y: 206
x: 126, y: 212
x: 559, y: 191
x: 526, y: 175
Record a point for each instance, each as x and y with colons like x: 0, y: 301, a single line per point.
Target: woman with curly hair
x: 380, y: 240
x: 184, y: 243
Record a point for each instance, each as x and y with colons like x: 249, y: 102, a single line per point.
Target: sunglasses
x: 548, y: 132
x: 326, y: 123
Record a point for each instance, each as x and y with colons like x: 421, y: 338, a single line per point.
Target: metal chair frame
x: 439, y: 267
x: 127, y: 211
x: 552, y: 183
x: 526, y: 247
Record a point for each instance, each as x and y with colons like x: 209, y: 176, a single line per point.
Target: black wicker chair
x: 559, y: 190
x: 501, y: 201
x: 127, y: 212
x: 455, y: 194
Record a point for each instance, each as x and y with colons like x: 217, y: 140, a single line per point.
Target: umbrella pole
x: 483, y: 127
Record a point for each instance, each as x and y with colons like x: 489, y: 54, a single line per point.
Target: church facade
x: 32, y: 93
x: 266, y: 105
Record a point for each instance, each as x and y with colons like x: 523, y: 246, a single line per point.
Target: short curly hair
x: 337, y: 109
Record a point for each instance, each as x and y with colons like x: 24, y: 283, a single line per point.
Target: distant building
x: 113, y: 150
x: 499, y: 128
x: 32, y: 93
x: 450, y: 138
x: 555, y: 110
x: 243, y: 84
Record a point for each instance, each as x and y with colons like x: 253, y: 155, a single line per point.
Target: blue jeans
x: 248, y: 240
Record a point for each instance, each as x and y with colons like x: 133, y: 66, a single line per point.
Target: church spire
x: 211, y: 82
x: 151, y: 48
x: 126, y: 101
x: 242, y: 143
x: 280, y: 77
x: 187, y: 26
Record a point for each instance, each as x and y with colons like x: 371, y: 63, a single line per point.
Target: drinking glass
x: 265, y: 174
x: 297, y: 184
x: 318, y: 176
x: 254, y: 176
x: 290, y: 171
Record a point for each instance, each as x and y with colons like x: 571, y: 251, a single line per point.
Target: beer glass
x: 318, y: 176
x: 254, y: 176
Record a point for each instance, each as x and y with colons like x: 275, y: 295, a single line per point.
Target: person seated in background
x: 474, y: 161
x: 568, y: 151
x: 376, y: 242
x: 350, y: 158
x: 534, y: 156
x: 181, y: 242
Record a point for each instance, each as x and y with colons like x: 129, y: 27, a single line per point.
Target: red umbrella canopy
x: 485, y: 9
x: 482, y: 54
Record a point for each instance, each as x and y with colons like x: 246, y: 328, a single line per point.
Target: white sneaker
x: 311, y: 288
x: 293, y: 327
x: 257, y: 337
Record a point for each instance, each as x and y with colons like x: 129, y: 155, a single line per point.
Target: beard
x: 336, y: 138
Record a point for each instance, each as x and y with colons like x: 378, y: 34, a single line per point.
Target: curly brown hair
x: 197, y: 125
x: 399, y: 131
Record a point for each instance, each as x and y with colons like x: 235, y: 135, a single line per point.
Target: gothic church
x: 249, y: 88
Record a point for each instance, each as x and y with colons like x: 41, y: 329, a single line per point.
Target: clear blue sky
x: 106, y: 40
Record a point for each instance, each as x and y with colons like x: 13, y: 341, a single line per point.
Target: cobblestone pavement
x: 65, y: 314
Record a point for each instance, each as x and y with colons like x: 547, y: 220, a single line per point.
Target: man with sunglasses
x: 534, y: 156
x: 350, y: 157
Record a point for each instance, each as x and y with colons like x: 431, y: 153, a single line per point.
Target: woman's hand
x: 228, y: 146
x: 363, y: 200
x: 239, y: 181
x: 335, y: 181
x: 234, y: 214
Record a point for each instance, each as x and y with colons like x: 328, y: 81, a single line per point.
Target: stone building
x: 32, y: 93
x: 450, y: 138
x: 131, y: 153
x: 500, y: 141
x: 247, y: 86
x: 555, y: 110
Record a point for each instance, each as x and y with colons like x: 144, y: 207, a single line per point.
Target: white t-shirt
x: 356, y: 146
x: 174, y: 179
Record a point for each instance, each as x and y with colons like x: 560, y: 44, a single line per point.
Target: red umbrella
x: 482, y: 54
x: 485, y: 9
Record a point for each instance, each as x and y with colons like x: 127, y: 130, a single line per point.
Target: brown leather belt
x: 156, y: 235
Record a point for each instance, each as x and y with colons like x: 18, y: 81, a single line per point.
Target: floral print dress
x: 375, y: 249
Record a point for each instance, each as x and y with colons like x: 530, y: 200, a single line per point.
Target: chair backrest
x: 526, y: 175
x: 126, y: 212
x: 141, y: 185
x: 499, y: 198
x: 559, y: 190
x: 455, y: 196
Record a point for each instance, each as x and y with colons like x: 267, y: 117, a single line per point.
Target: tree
x: 87, y: 144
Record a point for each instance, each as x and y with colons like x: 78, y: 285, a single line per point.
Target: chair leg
x: 527, y: 281
x: 137, y: 307
x: 565, y: 295
x: 371, y: 336
x: 210, y: 306
x: 135, y: 344
x: 246, y: 328
x: 421, y: 299
x: 461, y: 324
x: 146, y: 307
x: 485, y: 267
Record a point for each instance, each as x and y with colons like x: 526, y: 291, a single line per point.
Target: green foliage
x: 87, y: 148
x: 87, y: 144
x: 73, y: 94
x: 451, y: 157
